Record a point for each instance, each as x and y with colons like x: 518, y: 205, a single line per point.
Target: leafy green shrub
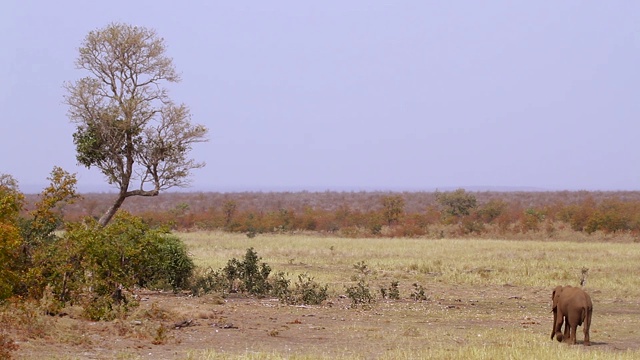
x: 308, y: 292
x: 166, y: 261
x: 251, y: 276
x: 128, y: 252
x: 96, y: 263
x: 207, y: 281
x: 457, y: 203
x: 100, y: 308
x: 360, y: 294
x: 11, y: 201
x: 492, y: 210
x: 392, y: 292
x: 248, y: 275
x: 280, y: 288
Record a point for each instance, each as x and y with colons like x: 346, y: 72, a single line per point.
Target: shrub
x: 392, y: 209
x: 457, y: 203
x: 280, y: 288
x: 165, y: 262
x: 10, y: 238
x: 492, y: 210
x: 308, y: 292
x: 98, y: 263
x: 360, y: 294
x: 531, y: 220
x: 250, y: 275
x: 418, y: 293
x: 392, y: 292
x: 208, y: 281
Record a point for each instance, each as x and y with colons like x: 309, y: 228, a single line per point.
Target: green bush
x: 205, y: 281
x: 280, y: 288
x: 360, y: 294
x: 457, y: 203
x: 164, y: 263
x: 392, y: 292
x: 11, y: 241
x: 308, y: 292
x: 97, y: 263
x: 248, y: 275
x: 251, y: 276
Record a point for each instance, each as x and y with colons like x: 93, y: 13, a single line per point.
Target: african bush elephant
x: 572, y: 306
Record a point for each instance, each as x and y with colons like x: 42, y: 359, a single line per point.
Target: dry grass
x: 613, y: 267
x: 487, y: 299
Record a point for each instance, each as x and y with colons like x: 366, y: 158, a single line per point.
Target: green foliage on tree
x: 47, y: 215
x: 457, y: 203
x: 11, y: 201
x: 126, y: 124
x: 88, y: 264
x: 492, y: 210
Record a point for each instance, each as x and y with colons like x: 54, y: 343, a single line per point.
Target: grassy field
x: 486, y: 299
x: 499, y: 289
x: 613, y: 268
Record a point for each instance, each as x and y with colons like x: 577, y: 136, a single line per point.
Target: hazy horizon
x: 104, y: 189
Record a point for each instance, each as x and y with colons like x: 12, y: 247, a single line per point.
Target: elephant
x: 573, y: 306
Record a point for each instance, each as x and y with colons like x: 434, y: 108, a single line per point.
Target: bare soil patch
x: 177, y: 326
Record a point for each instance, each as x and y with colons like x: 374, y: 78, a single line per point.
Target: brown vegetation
x: 525, y: 215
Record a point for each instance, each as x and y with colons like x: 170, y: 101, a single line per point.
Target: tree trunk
x: 104, y: 220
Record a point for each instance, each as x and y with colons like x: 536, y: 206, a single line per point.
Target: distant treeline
x: 457, y: 213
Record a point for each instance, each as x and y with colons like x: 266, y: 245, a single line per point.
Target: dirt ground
x: 169, y: 326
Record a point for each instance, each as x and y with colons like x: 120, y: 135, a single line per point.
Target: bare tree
x: 127, y: 126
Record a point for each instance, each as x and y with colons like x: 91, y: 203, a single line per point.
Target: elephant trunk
x: 559, y: 336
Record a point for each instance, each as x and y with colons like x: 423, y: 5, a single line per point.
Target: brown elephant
x: 572, y: 306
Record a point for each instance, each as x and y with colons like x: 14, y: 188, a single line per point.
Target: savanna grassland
x: 482, y: 299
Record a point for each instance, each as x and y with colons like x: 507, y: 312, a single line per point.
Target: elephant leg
x: 572, y: 334
x: 558, y: 327
x: 567, y: 335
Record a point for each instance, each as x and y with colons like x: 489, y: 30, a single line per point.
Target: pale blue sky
x: 357, y: 95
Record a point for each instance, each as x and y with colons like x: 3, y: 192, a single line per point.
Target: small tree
x: 47, y: 216
x: 392, y: 208
x: 11, y: 201
x: 457, y: 203
x: 127, y: 126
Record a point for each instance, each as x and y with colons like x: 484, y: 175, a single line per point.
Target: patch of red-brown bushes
x: 527, y: 215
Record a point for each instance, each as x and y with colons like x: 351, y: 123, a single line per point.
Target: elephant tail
x: 585, y: 317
